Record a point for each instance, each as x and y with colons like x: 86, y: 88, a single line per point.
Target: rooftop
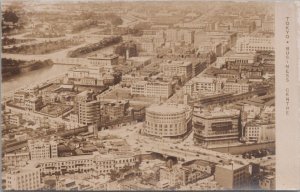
x: 166, y: 108
x: 231, y: 165
x: 103, y: 56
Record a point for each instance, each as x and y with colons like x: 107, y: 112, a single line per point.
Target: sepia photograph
x: 141, y: 95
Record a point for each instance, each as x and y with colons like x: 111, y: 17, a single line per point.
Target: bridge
x: 186, y: 154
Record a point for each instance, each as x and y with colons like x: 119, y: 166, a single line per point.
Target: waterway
x: 33, y: 77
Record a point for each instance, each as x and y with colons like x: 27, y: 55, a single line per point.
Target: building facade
x: 23, y: 179
x: 167, y: 120
x: 232, y: 175
x: 152, y: 89
x: 177, y: 68
x: 216, y: 127
x: 42, y: 149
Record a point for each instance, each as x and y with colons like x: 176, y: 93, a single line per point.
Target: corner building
x: 216, y: 127
x: 168, y: 121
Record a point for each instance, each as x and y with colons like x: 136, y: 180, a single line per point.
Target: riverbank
x: 9, y: 86
x: 11, y: 68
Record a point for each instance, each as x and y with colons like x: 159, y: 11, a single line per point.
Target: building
x: 243, y: 58
x: 16, y: 159
x: 104, y: 60
x: 66, y: 184
x: 181, y: 175
x: 204, y: 85
x: 34, y: 103
x: 232, y: 175
x: 19, y: 97
x: 177, y: 68
x: 268, y: 26
x: 217, y: 126
x: 42, y: 149
x: 171, y: 121
x: 253, y: 44
x: 268, y: 115
x: 237, y: 87
x: 89, y: 112
x: 15, y: 119
x: 267, y: 182
x: 152, y: 89
x: 23, y: 179
x: 94, y: 164
x: 208, y: 46
x: 91, y: 75
x: 260, y: 132
x: 116, y: 109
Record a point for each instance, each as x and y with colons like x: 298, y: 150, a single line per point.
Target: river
x: 32, y: 77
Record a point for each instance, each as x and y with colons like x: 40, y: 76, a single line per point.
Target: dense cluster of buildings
x: 154, y: 110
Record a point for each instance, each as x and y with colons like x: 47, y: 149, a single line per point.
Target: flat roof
x: 231, y: 166
x: 166, y: 108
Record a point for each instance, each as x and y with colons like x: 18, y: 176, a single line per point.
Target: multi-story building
x: 107, y: 61
x: 34, y: 103
x: 20, y: 96
x: 15, y: 119
x: 16, y: 159
x: 253, y: 44
x: 204, y: 85
x: 42, y: 149
x: 93, y: 164
x: 243, y: 58
x: 267, y: 182
x: 184, y: 175
x: 91, y: 75
x: 177, y: 68
x: 152, y: 89
x: 173, y: 35
x: 232, y: 175
x: 89, y: 112
x: 147, y: 45
x: 188, y: 36
x: 23, y: 179
x: 268, y: 26
x: 129, y: 79
x: 260, y: 132
x: 236, y: 87
x: 217, y: 126
x: 208, y: 46
x: 116, y: 109
x: 268, y: 114
x: 171, y: 121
